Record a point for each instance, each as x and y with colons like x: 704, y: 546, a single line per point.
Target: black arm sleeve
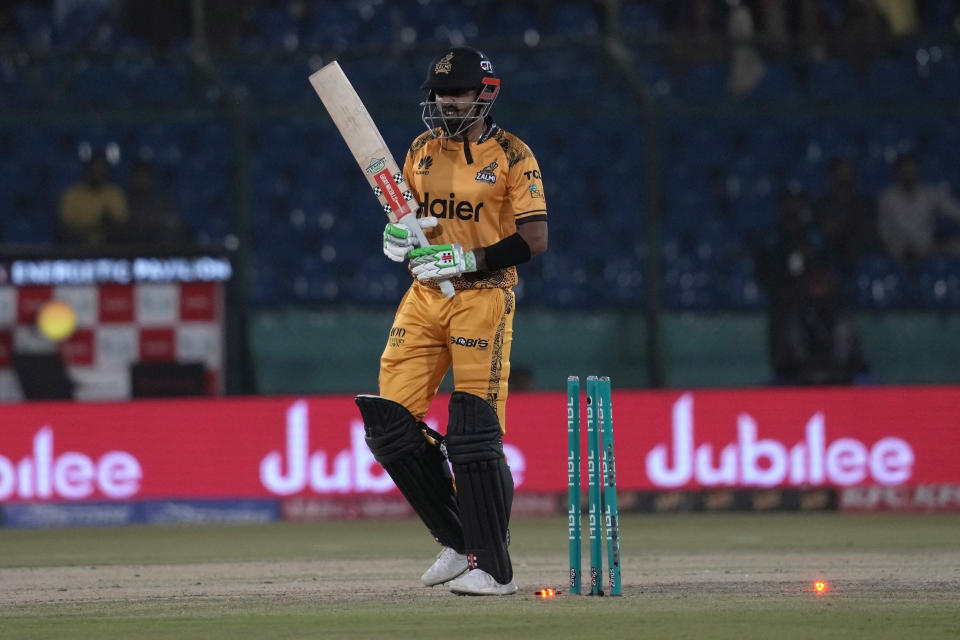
x: 508, y: 252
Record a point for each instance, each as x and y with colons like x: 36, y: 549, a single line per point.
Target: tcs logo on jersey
x: 449, y: 208
x: 533, y: 190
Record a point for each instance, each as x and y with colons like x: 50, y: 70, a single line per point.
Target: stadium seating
x: 724, y: 163
x: 937, y: 283
x: 879, y: 283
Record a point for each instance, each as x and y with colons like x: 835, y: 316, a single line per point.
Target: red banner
x: 287, y: 446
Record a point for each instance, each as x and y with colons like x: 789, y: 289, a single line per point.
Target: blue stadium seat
x: 163, y: 85
x: 623, y: 282
x: 375, y: 280
x: 893, y: 79
x: 29, y: 229
x: 739, y: 289
x: 944, y: 79
x: 937, y: 283
x: 879, y: 283
x: 705, y: 82
x: 332, y: 28
x: 100, y: 85
x: 688, y: 285
x: 574, y: 19
x: 778, y: 84
x: 35, y: 23
x: 15, y: 91
x: 937, y: 13
x: 656, y: 78
x: 270, y: 282
x: 757, y: 206
x: 164, y: 144
x: 566, y: 283
x: 640, y: 17
x: 833, y: 80
x: 515, y: 18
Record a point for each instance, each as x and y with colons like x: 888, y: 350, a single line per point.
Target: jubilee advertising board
x: 873, y: 439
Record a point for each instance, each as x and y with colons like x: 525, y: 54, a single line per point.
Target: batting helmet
x: 459, y: 68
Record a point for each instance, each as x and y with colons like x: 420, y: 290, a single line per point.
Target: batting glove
x: 441, y: 261
x: 398, y: 240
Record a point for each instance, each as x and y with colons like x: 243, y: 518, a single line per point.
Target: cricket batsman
x: 484, y: 211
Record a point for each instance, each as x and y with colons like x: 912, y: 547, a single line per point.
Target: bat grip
x: 410, y: 221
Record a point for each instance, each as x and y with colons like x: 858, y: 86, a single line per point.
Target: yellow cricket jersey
x: 479, y: 191
x: 84, y: 211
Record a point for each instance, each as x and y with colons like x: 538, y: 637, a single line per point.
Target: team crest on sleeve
x: 488, y: 174
x: 535, y: 191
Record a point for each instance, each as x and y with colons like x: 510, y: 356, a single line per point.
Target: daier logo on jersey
x: 450, y: 208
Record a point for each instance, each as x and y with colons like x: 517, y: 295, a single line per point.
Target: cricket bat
x: 370, y: 151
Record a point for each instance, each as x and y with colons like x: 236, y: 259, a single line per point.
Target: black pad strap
x: 484, y: 483
x: 416, y: 465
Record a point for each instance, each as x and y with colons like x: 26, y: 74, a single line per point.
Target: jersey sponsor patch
x: 488, y: 174
x: 423, y: 167
x: 397, y: 336
x: 451, y: 208
x: 535, y: 191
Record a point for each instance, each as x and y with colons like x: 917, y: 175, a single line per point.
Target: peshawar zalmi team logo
x: 488, y: 173
x: 444, y: 64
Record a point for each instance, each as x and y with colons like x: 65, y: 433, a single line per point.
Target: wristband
x: 510, y: 251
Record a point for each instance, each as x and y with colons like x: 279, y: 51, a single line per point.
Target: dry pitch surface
x: 684, y: 576
x: 892, y: 575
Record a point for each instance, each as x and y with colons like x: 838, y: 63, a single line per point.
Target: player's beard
x: 451, y: 125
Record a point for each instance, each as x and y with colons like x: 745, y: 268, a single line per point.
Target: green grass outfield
x: 685, y: 576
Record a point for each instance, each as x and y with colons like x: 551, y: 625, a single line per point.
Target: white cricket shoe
x: 448, y: 565
x: 478, y: 582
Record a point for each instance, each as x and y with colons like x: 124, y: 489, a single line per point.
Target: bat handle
x: 410, y: 221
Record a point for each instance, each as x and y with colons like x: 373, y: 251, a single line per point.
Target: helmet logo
x: 486, y: 66
x: 444, y: 64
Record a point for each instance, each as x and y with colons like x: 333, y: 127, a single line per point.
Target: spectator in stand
x: 746, y: 66
x: 153, y: 219
x: 812, y: 335
x: 8, y: 27
x: 94, y: 210
x: 699, y: 31
x: 846, y: 217
x: 901, y: 16
x: 908, y: 215
x: 792, y: 25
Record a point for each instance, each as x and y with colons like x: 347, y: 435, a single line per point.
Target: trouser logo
x: 472, y: 343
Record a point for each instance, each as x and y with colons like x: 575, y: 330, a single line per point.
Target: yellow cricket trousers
x: 472, y: 331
